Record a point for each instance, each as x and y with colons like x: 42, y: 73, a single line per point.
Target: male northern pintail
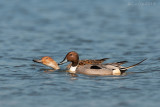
x: 95, y: 69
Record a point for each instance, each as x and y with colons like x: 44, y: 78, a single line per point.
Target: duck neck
x: 54, y: 66
x: 57, y: 68
x: 75, y: 63
x: 73, y: 66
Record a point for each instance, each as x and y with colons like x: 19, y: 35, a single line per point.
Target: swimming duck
x: 48, y: 61
x: 95, y: 69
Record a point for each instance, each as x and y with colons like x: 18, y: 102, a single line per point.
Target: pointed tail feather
x: 135, y: 64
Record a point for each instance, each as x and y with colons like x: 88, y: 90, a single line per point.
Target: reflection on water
x: 95, y: 29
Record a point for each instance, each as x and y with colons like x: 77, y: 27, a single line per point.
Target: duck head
x: 48, y: 61
x: 71, y: 57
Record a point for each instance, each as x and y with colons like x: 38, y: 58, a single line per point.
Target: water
x: 120, y: 30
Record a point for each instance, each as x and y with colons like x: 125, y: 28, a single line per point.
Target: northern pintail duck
x: 95, y: 69
x: 48, y: 61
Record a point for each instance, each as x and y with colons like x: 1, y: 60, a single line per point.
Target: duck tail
x: 135, y: 64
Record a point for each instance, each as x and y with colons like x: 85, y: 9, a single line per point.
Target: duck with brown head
x: 48, y: 61
x: 95, y: 69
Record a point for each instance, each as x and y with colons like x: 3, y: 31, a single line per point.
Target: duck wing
x: 89, y: 61
x: 117, y: 64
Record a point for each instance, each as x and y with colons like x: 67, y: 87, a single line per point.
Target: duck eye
x: 70, y: 55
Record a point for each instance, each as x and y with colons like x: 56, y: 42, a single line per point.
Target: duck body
x: 99, y: 70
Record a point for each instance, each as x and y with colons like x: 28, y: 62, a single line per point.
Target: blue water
x: 119, y: 30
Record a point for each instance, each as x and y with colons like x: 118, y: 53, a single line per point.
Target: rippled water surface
x: 119, y: 30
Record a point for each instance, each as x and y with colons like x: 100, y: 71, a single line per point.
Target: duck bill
x: 62, y: 62
x: 37, y: 60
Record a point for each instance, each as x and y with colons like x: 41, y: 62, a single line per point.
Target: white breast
x: 73, y: 69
